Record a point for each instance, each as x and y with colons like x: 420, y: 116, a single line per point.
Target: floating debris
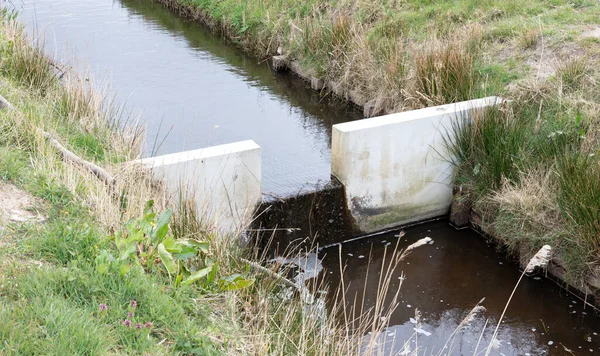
x: 422, y: 332
x: 309, y: 264
x: 495, y: 343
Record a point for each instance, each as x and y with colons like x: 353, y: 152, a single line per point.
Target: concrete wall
x: 224, y: 181
x: 394, y: 167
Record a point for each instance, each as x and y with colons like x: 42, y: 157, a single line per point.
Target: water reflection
x: 446, y: 279
x: 188, y: 82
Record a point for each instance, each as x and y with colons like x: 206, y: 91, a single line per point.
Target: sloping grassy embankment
x: 97, y: 269
x: 530, y: 170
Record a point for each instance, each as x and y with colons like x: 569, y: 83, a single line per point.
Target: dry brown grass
x: 529, y: 38
x: 572, y: 73
x: 532, y: 203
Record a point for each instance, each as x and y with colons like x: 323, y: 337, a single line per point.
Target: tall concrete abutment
x: 396, y: 168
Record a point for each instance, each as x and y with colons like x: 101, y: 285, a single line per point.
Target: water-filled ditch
x: 195, y: 90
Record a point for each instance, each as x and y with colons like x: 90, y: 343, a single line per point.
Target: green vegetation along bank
x: 90, y: 268
x: 530, y: 170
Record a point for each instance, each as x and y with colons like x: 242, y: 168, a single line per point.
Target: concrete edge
x: 202, y: 153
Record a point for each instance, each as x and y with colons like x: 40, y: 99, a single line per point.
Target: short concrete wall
x: 224, y: 181
x: 394, y: 167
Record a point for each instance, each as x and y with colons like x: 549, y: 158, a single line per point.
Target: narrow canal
x: 192, y: 89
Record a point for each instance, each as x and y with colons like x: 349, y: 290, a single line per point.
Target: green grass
x: 579, y: 197
x: 489, y: 149
x: 370, y: 48
x: 67, y: 282
x: 53, y: 309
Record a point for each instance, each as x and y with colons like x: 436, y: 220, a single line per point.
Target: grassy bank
x: 398, y: 55
x: 94, y: 269
x: 531, y: 169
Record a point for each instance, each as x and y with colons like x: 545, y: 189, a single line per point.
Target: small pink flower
x: 148, y: 325
x: 133, y: 303
x: 138, y: 326
x: 127, y: 323
x: 129, y: 314
x: 103, y: 307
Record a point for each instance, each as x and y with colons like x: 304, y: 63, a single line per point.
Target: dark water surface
x: 185, y: 80
x: 446, y: 279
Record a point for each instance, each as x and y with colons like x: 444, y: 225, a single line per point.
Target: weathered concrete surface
x: 224, y: 181
x: 395, y: 168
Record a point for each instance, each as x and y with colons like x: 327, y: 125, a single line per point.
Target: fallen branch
x: 4, y: 104
x: 305, y: 294
x: 99, y: 172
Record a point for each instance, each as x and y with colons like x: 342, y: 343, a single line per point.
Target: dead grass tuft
x: 571, y: 73
x: 532, y: 203
x: 529, y: 38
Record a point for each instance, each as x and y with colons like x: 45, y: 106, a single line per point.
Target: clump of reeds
x: 571, y: 73
x: 488, y: 147
x: 444, y: 69
x: 579, y: 196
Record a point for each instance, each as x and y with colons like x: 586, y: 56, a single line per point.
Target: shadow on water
x: 317, y: 109
x: 189, y: 82
x: 446, y: 279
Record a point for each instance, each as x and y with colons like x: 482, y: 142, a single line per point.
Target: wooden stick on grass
x: 98, y: 171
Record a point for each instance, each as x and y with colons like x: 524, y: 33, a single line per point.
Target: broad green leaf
x: 124, y: 269
x: 197, y: 275
x: 232, y: 278
x: 213, y: 274
x: 239, y: 284
x: 178, y: 280
x: 201, y: 246
x: 167, y: 259
x: 162, y: 225
x: 128, y: 251
x: 172, y: 245
x: 197, y: 245
x: 186, y: 252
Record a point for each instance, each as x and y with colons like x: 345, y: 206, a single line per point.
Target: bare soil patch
x: 17, y: 205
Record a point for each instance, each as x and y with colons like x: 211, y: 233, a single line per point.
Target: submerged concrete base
x: 313, y: 217
x: 396, y: 168
x: 224, y: 181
